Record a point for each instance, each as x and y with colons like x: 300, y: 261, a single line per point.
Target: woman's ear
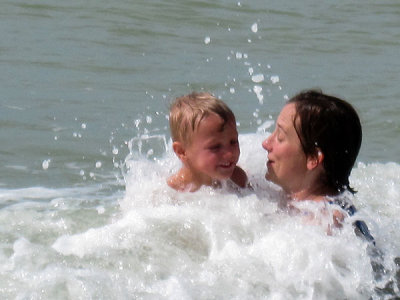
x: 179, y: 150
x: 315, y: 160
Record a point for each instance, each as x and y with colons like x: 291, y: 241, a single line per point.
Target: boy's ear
x: 315, y: 160
x: 179, y: 150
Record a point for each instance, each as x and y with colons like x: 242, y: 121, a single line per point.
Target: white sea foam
x: 156, y: 243
x: 31, y: 193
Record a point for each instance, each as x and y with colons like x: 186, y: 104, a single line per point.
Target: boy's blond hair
x: 187, y: 111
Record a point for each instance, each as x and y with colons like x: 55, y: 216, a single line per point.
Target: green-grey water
x: 84, y: 84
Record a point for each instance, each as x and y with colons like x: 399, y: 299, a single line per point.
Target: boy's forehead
x: 213, y: 123
x: 210, y: 119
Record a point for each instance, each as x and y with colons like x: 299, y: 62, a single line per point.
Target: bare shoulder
x: 239, y: 177
x: 181, y: 183
x: 338, y: 218
x: 173, y: 182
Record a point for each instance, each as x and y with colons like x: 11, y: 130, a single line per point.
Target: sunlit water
x: 85, y: 212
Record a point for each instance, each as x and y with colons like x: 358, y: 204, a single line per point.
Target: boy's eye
x: 215, y: 147
x: 234, y: 142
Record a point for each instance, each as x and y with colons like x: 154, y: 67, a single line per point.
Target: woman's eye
x: 280, y: 137
x: 234, y: 142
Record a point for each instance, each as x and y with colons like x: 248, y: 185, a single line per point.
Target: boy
x: 205, y: 139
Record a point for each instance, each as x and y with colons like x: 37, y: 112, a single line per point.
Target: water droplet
x: 45, y: 164
x: 257, y: 78
x: 258, y: 90
x: 207, y: 40
x: 254, y: 27
x: 101, y: 210
x: 274, y: 79
x: 150, y: 152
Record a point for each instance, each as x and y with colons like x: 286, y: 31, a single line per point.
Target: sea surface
x: 85, y: 148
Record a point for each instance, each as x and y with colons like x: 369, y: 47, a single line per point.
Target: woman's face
x: 287, y: 163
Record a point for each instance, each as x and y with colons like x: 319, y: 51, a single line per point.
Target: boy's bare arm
x: 239, y: 177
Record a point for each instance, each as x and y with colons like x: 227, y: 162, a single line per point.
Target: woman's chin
x: 270, y: 177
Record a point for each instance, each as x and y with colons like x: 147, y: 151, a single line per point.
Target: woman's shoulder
x: 360, y: 227
x: 344, y: 201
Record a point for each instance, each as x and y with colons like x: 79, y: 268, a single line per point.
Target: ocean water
x: 85, y: 149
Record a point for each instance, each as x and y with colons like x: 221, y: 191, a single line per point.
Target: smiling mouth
x: 226, y: 165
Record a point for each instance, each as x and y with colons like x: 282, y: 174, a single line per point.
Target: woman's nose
x: 266, y: 144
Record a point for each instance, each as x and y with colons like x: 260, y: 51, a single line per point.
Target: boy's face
x: 214, y: 150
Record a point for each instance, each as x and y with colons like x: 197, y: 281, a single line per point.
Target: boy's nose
x: 229, y: 153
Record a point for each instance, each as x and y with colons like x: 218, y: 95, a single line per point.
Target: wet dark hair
x: 330, y: 125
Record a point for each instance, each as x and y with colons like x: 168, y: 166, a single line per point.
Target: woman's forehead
x: 287, y: 115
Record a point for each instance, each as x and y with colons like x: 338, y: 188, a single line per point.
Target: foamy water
x: 151, y: 242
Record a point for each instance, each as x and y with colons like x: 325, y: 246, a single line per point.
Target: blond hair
x: 187, y: 111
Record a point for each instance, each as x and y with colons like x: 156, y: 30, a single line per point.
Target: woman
x: 313, y: 149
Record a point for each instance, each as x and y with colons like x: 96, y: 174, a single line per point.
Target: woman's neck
x: 317, y: 193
